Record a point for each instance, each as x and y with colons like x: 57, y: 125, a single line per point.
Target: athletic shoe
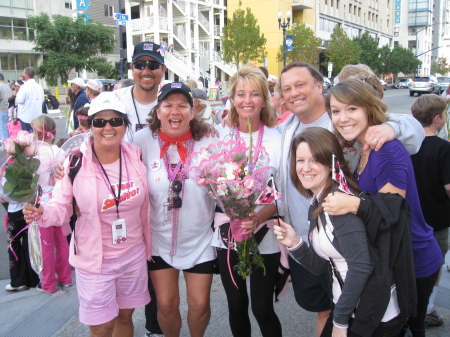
x: 64, y: 286
x: 39, y: 288
x: 433, y: 319
x: 150, y: 334
x: 9, y: 287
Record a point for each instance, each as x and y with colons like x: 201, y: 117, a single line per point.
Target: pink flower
x: 10, y: 146
x: 30, y: 150
x: 248, y: 184
x: 24, y: 138
x: 201, y: 181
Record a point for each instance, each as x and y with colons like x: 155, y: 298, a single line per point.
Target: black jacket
x: 387, y: 218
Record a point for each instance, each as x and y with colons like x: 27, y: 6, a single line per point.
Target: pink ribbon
x: 45, y: 133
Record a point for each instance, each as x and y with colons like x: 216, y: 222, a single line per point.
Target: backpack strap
x: 75, y: 161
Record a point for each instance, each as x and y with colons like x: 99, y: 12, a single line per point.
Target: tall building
x: 422, y: 26
x: 355, y: 16
x: 16, y: 52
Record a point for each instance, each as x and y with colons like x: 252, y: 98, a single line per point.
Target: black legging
x: 261, y: 292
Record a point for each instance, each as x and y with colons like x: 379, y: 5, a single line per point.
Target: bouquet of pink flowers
x: 19, y: 183
x: 234, y: 175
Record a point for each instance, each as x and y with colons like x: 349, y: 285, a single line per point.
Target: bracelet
x: 300, y: 242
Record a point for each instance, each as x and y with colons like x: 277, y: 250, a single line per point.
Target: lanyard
x: 104, y: 175
x: 134, y: 103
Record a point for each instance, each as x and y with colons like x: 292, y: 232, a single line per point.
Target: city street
x: 33, y: 313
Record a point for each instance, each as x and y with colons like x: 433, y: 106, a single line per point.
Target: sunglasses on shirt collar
x: 140, y: 65
x: 101, y: 123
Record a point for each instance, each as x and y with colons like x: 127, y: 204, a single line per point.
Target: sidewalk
x: 38, y: 314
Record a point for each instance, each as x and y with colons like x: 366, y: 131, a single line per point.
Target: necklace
x: 361, y: 162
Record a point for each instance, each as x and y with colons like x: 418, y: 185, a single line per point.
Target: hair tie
x: 45, y: 133
x: 82, y: 117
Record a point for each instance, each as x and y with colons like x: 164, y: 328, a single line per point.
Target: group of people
x: 142, y: 221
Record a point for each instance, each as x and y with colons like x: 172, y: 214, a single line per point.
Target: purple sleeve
x: 390, y: 165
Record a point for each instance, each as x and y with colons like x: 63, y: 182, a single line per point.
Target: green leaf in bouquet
x: 33, y: 165
x: 24, y: 184
x: 11, y: 175
x: 19, y: 150
x: 8, y: 187
x: 24, y: 192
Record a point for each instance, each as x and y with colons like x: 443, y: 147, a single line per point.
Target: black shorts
x: 208, y: 267
x: 312, y: 293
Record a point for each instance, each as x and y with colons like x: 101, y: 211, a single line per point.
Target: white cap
x: 106, y: 101
x: 78, y: 81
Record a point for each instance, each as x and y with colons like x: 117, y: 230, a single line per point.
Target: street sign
x: 121, y: 17
x: 121, y: 22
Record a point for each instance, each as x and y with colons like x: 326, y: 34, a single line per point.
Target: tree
x: 369, y: 52
x: 402, y: 60
x: 306, y: 45
x: 241, y: 39
x: 68, y: 44
x: 385, y: 51
x: 440, y: 66
x: 341, y: 50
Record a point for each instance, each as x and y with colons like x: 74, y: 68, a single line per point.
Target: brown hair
x: 427, y: 107
x: 83, y: 111
x: 322, y: 144
x: 318, y: 78
x: 255, y: 76
x: 191, y: 84
x: 94, y: 92
x: 359, y: 93
x: 198, y: 128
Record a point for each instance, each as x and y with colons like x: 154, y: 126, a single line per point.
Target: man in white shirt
x: 148, y: 69
x: 29, y: 100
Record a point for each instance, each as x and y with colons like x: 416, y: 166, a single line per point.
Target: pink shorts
x: 123, y: 284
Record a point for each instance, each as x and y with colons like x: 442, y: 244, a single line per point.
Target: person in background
x: 93, y: 89
x: 279, y: 105
x: 354, y: 107
x: 182, y: 211
x: 124, y: 83
x: 29, y: 100
x: 82, y: 116
x: 201, y: 83
x: 191, y: 83
x: 265, y: 72
x: 202, y: 109
x: 77, y: 86
x: 272, y: 80
x: 12, y: 106
x: 432, y: 172
x: 5, y: 94
x: 250, y: 100
x: 55, y: 248
x: 443, y: 133
x: 111, y: 242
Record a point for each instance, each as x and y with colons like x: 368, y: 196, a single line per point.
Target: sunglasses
x: 140, y: 65
x: 101, y: 123
x: 176, y: 186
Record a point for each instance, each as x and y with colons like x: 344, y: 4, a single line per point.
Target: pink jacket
x: 87, y: 239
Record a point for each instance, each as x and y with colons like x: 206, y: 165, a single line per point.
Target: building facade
x: 422, y: 26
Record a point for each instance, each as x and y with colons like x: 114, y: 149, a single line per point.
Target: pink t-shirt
x: 131, y: 199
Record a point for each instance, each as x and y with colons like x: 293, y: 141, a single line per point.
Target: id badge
x: 168, y: 213
x: 119, y: 231
x: 140, y: 126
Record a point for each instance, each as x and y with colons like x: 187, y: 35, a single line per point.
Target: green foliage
x: 306, y: 45
x: 384, y: 53
x: 241, y: 39
x: 369, y: 52
x: 107, y: 70
x: 341, y: 50
x: 68, y: 44
x: 440, y: 66
x: 401, y: 60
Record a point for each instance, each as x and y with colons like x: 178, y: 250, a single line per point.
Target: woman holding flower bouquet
x: 182, y: 211
x: 252, y: 119
x: 111, y: 241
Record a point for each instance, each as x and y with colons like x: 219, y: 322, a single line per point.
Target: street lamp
x: 284, y: 26
x: 416, y: 72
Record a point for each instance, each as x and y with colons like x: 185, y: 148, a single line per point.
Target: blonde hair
x: 256, y: 77
x: 363, y: 73
x: 42, y: 125
x: 191, y: 84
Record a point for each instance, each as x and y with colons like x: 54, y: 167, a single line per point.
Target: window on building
x: 21, y: 8
x: 109, y: 10
x: 68, y: 5
x: 419, y: 5
x: 418, y: 19
x: 14, y: 29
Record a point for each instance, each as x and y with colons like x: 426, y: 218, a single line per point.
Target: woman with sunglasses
x: 182, y: 212
x: 111, y: 241
x: 250, y: 100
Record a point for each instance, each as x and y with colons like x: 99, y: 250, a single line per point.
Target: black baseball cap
x: 149, y: 49
x: 174, y: 87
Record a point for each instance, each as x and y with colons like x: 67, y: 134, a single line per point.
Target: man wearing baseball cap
x: 77, y: 86
x: 148, y: 69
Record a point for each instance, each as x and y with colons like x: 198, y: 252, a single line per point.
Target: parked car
x: 326, y: 84
x: 444, y: 83
x: 108, y: 85
x: 424, y: 85
x: 403, y: 83
x: 383, y: 83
